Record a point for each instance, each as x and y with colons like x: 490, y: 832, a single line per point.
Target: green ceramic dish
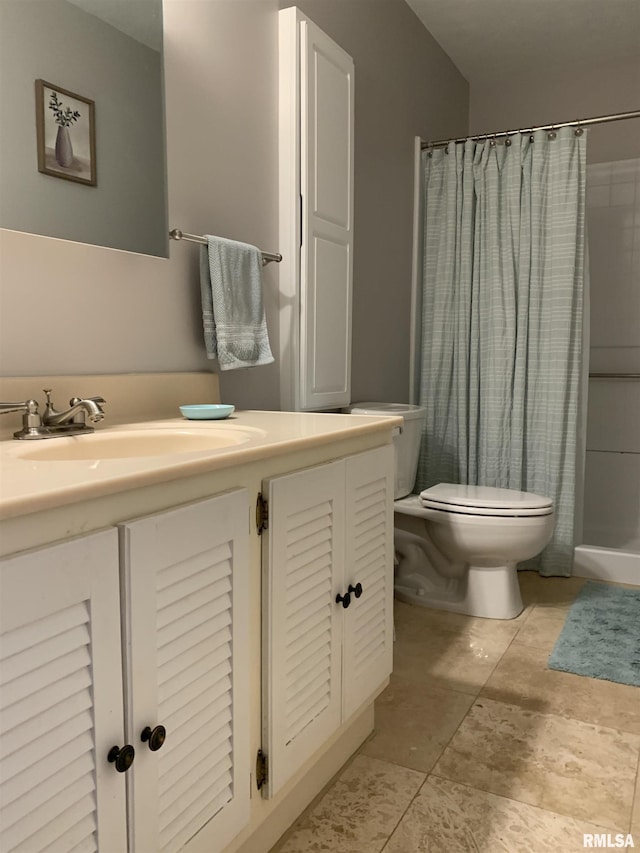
x: 208, y: 412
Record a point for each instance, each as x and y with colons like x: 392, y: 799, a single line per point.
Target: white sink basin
x: 127, y: 444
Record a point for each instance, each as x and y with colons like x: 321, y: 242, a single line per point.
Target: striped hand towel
x: 235, y: 329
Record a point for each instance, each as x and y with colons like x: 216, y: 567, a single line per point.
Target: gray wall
x: 58, y: 42
x: 544, y: 95
x: 70, y: 308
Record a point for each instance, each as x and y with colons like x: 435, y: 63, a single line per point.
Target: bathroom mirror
x: 99, y: 64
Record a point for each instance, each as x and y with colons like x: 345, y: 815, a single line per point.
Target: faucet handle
x: 28, y: 406
x: 31, y: 419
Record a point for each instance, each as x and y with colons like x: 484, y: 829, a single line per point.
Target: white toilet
x: 456, y: 546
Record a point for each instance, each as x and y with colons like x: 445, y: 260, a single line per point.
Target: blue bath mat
x: 601, y: 637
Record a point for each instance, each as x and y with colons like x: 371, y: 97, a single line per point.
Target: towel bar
x: 176, y: 234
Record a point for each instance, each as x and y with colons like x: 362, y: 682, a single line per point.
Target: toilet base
x: 489, y: 592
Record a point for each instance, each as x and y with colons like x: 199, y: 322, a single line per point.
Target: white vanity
x: 139, y: 599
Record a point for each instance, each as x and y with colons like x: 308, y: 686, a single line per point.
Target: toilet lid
x: 405, y: 410
x: 484, y: 500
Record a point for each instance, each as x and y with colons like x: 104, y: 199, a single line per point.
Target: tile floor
x: 479, y: 747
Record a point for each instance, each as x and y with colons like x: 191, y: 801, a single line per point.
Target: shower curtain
x: 502, y: 301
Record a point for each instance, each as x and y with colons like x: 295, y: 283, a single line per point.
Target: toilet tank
x: 406, y: 444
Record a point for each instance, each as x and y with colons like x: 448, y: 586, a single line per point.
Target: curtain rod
x: 614, y: 376
x: 577, y: 123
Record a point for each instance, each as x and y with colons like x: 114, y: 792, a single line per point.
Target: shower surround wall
x: 612, y: 476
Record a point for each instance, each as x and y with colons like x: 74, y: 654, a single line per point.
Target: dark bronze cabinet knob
x: 344, y: 599
x: 356, y: 590
x: 122, y: 757
x: 155, y: 737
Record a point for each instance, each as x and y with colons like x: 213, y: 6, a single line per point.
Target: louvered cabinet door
x: 185, y: 578
x: 303, y: 554
x: 368, y: 629
x: 61, y: 699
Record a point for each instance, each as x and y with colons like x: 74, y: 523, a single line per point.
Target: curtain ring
x: 507, y: 140
x: 552, y: 135
x: 492, y: 142
x: 579, y: 130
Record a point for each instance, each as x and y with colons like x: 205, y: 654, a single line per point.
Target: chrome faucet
x: 52, y: 423
x: 75, y: 414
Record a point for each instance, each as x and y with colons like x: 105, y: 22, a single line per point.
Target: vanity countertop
x: 31, y: 485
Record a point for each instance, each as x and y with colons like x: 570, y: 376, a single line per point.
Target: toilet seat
x: 487, y: 513
x: 460, y: 499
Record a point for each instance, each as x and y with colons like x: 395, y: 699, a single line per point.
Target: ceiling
x: 142, y: 19
x: 489, y: 38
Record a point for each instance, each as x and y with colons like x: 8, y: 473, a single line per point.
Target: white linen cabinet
x: 92, y: 664
x: 316, y: 158
x: 329, y: 543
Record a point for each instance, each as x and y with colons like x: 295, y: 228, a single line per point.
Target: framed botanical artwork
x: 65, y: 125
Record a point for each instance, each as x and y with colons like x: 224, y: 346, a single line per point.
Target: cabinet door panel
x: 61, y: 698
x: 186, y: 581
x: 303, y: 554
x: 368, y: 646
x: 326, y: 178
